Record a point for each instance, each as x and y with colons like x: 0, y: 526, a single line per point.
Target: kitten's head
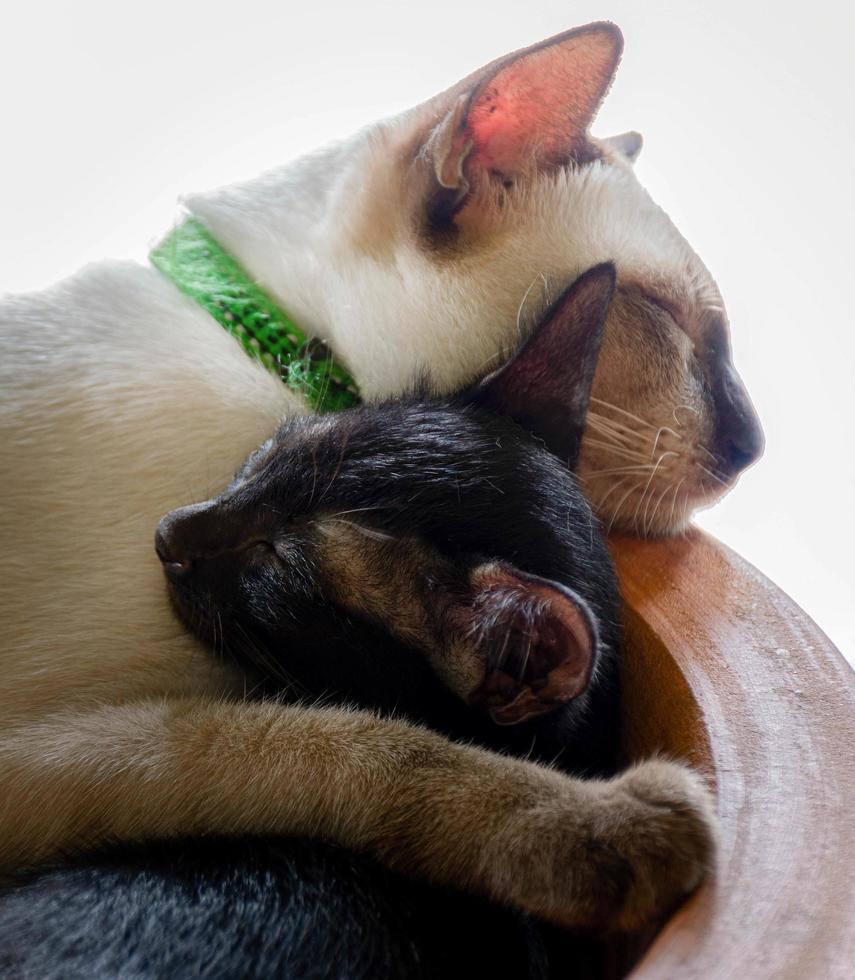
x: 427, y: 556
x: 448, y: 230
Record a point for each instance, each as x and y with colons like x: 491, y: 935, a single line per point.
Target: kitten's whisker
x: 525, y: 659
x: 314, y: 475
x: 366, y: 532
x: 500, y: 660
x: 334, y: 477
x: 355, y: 510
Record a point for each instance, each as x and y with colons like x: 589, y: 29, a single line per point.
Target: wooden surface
x: 725, y: 670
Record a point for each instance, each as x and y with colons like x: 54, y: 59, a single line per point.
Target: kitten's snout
x: 206, y: 539
x: 182, y: 536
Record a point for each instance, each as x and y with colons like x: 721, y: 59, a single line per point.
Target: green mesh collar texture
x: 205, y: 272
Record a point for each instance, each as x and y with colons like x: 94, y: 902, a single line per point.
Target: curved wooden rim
x: 723, y: 669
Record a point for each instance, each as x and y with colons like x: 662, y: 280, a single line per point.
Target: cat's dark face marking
x: 426, y: 556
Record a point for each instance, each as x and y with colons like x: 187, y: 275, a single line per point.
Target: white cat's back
x: 119, y: 400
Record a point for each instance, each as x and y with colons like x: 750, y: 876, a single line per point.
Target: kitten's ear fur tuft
x: 538, y: 641
x: 529, y: 111
x: 546, y: 386
x: 627, y: 144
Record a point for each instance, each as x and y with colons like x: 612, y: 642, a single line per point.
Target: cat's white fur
x: 111, y: 413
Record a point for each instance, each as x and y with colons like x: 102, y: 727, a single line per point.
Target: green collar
x: 205, y: 272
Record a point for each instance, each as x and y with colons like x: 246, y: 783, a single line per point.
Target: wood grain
x: 725, y: 670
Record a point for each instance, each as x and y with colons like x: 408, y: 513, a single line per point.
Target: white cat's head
x: 432, y: 242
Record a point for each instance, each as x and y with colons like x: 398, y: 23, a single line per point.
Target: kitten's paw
x: 663, y: 826
x: 614, y: 855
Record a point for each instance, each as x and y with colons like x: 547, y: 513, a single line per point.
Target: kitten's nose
x: 174, y: 566
x: 173, y: 540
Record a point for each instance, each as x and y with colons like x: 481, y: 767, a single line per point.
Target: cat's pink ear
x: 546, y: 386
x: 537, y: 641
x: 530, y: 111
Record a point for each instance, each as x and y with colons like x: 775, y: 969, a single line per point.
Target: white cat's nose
x: 739, y: 438
x: 743, y: 447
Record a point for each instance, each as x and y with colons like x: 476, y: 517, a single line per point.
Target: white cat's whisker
x: 715, y: 476
x: 619, y: 450
x: 649, y: 481
x: 520, y: 308
x: 619, y: 434
x: 616, y: 512
x: 622, y: 411
x: 663, y: 428
x: 688, y: 408
x: 674, y: 502
x: 655, y: 509
x: 614, y: 470
x: 609, y: 491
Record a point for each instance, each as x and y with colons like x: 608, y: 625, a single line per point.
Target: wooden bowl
x: 724, y: 670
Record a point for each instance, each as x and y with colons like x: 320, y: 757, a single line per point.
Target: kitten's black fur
x: 473, y: 486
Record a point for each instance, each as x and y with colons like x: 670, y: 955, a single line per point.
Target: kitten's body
x: 258, y: 909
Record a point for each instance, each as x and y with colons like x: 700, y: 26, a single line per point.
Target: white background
x: 108, y: 114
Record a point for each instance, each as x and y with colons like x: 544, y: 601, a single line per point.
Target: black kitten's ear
x: 546, y: 387
x: 536, y: 640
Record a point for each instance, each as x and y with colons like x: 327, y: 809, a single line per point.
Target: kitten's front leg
x: 581, y: 853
